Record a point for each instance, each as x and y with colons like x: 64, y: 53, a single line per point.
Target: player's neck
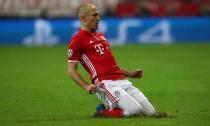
x: 87, y: 29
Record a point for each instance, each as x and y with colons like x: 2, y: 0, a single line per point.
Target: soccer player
x: 108, y: 81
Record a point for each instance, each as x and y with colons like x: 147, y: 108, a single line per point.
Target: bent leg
x: 147, y: 107
x: 127, y: 103
x: 116, y: 96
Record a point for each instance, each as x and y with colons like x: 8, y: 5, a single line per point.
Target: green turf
x: 35, y: 89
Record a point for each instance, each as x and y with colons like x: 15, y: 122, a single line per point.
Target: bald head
x: 84, y: 9
x: 89, y: 17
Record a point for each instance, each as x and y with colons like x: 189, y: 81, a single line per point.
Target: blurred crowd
x: 163, y: 8
x: 120, y: 8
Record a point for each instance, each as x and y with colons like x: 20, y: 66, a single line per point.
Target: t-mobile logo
x: 99, y: 48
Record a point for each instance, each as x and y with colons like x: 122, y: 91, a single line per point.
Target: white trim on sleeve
x: 73, y: 61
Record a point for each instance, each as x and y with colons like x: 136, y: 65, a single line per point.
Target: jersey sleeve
x: 74, y: 51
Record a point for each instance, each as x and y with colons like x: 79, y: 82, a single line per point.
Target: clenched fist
x: 91, y: 88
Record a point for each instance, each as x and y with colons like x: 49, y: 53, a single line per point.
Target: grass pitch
x: 35, y: 89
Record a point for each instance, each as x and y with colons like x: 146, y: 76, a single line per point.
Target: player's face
x: 92, y: 19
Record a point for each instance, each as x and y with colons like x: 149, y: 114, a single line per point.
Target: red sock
x: 116, y: 112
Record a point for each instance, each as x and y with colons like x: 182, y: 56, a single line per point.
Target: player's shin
x: 102, y: 111
x: 116, y: 112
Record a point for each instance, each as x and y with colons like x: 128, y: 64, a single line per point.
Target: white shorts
x: 113, y: 90
x: 122, y: 94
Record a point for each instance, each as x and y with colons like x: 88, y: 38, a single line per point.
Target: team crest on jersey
x: 117, y: 94
x: 70, y: 52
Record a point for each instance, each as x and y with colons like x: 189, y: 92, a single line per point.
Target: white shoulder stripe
x: 89, y: 64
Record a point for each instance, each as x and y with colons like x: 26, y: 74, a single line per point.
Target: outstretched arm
x: 133, y: 74
x: 72, y: 69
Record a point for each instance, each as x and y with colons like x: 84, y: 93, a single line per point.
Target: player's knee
x: 129, y: 105
x: 150, y: 112
x: 134, y: 110
x: 147, y: 108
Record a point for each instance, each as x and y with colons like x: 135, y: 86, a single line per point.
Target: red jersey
x: 92, y: 50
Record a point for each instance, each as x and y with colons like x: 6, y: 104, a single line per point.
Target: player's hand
x: 137, y: 74
x: 91, y: 88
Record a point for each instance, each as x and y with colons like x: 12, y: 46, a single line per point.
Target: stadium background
x: 168, y: 39
x: 50, y: 22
